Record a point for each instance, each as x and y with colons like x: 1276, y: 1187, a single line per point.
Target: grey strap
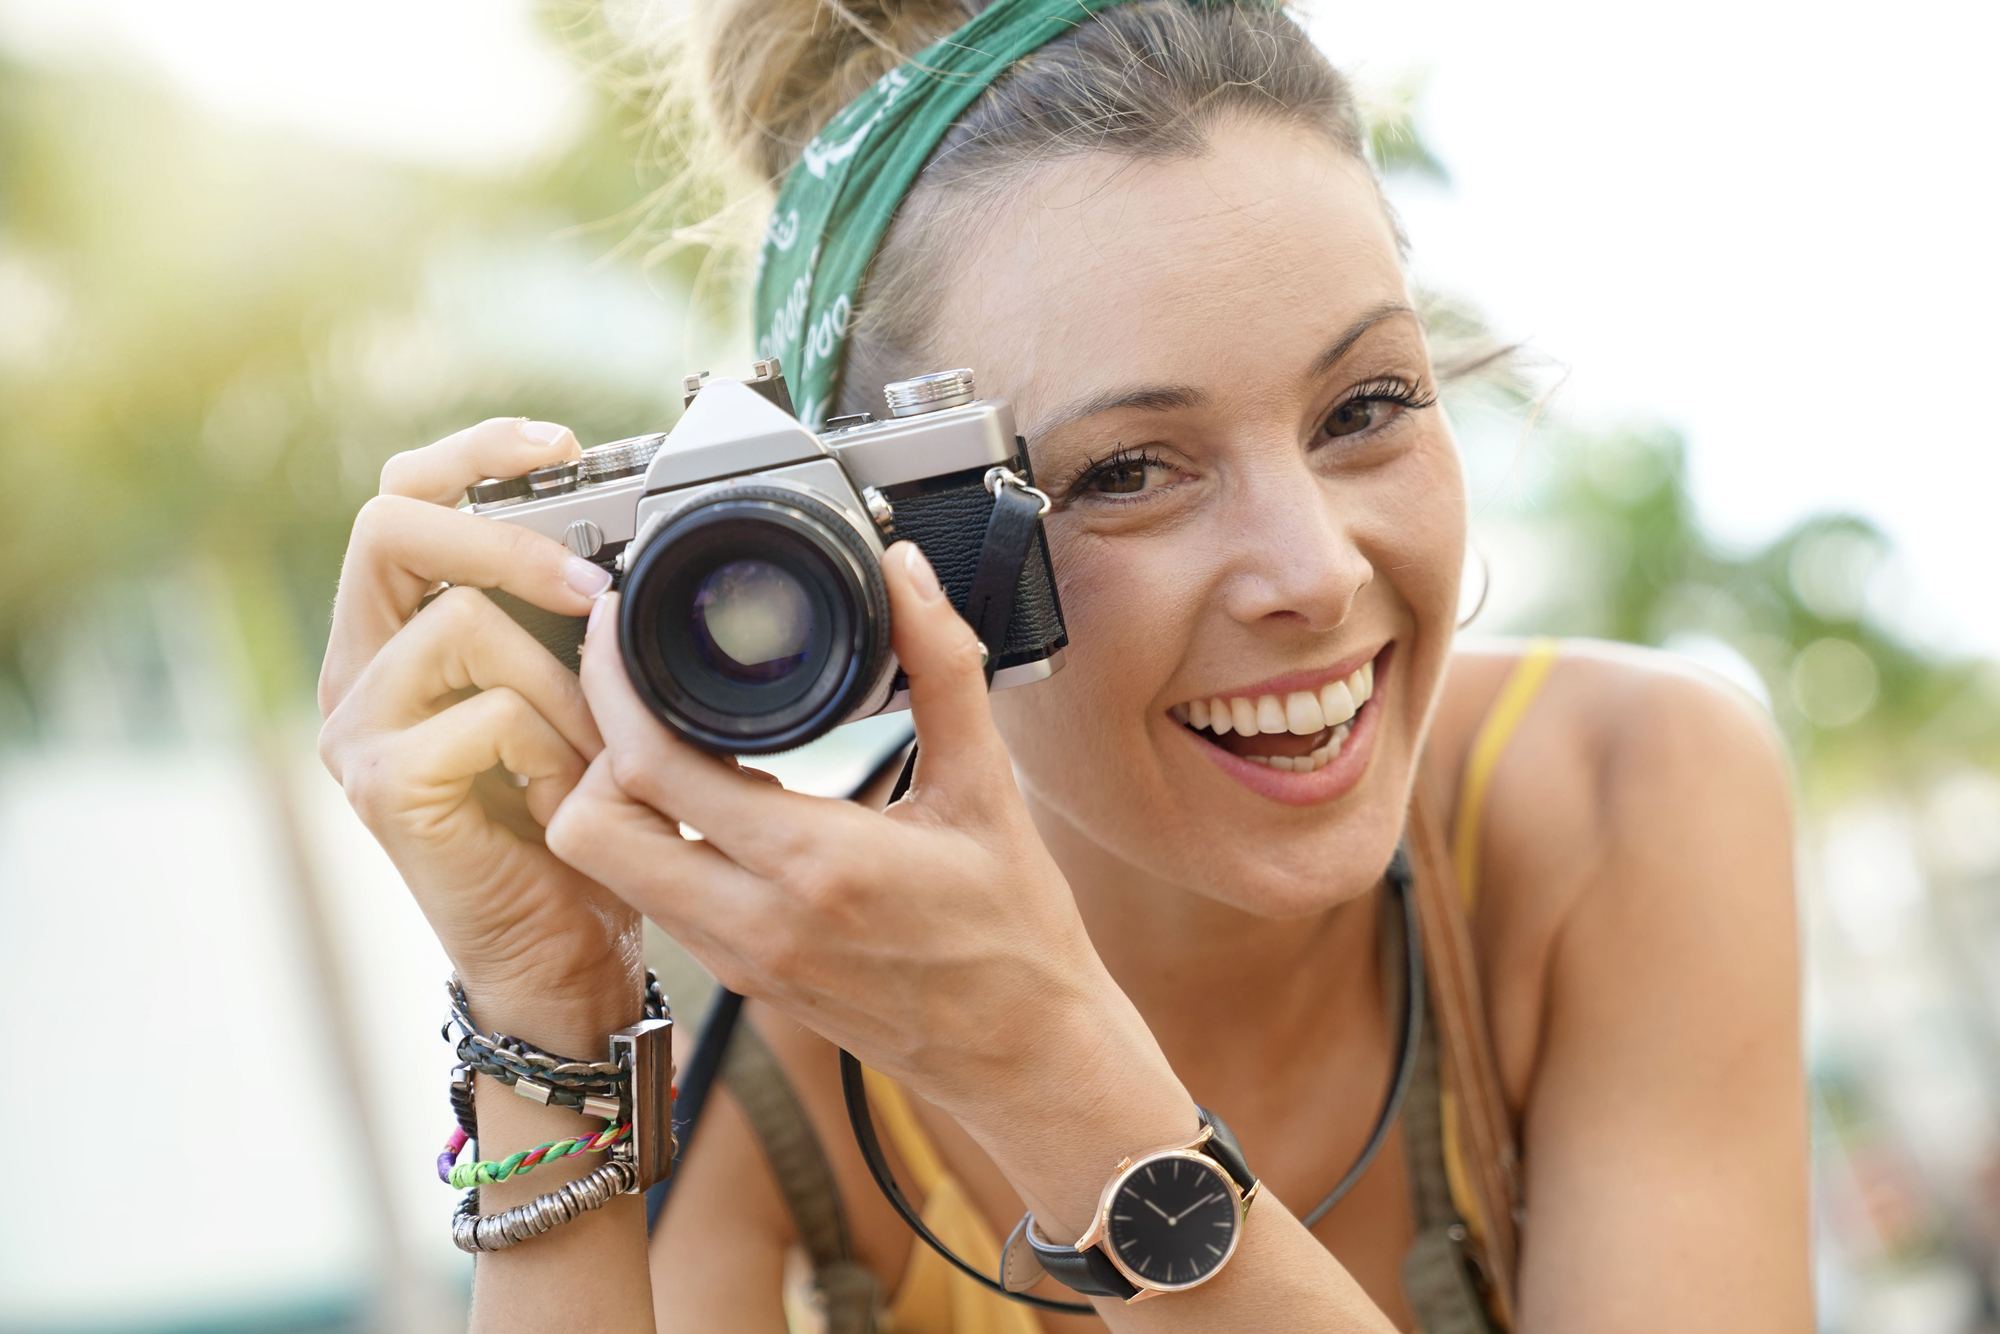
x: 805, y: 1178
x: 1437, y: 1269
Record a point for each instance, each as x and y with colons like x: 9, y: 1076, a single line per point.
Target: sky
x: 1768, y: 225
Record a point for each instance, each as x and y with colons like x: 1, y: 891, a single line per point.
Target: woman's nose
x: 1293, y: 556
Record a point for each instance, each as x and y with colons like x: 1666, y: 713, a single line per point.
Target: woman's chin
x: 1292, y: 886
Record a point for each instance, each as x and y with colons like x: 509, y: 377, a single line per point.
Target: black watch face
x: 1174, y: 1221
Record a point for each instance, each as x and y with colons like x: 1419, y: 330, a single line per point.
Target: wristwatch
x: 1167, y: 1221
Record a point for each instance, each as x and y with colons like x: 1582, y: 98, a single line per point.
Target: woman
x: 1114, y: 897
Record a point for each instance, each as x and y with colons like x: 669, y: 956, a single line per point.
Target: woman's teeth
x: 1305, y: 764
x: 1301, y: 713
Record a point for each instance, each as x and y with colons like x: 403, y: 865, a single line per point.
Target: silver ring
x: 997, y: 477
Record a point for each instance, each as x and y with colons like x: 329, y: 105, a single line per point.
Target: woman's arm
x: 1665, y: 1129
x: 423, y: 709
x: 718, y: 1255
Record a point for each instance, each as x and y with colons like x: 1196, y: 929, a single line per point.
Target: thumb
x: 958, y: 749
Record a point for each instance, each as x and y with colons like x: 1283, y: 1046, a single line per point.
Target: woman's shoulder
x: 1637, y: 788
x: 1605, y: 701
x: 1610, y: 714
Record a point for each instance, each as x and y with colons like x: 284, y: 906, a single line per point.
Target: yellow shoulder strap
x: 1523, y: 683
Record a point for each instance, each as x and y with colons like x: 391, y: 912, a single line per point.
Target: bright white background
x: 1775, y: 226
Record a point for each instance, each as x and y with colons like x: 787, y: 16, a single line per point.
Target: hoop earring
x: 1485, y: 587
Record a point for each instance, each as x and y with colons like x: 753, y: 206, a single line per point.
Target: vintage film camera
x: 749, y: 551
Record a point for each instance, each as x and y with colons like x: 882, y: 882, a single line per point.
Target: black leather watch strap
x: 1088, y: 1272
x: 1222, y: 1147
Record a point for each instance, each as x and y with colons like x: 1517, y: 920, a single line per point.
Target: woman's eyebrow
x: 1167, y: 398
x: 1158, y: 398
x: 1344, y: 344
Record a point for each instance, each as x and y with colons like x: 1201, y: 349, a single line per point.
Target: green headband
x: 838, y: 200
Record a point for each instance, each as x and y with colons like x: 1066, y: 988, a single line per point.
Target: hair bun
x: 778, y: 70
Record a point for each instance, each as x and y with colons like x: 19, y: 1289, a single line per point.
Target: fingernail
x: 546, y: 434
x: 596, y: 610
x: 922, y: 577
x: 584, y: 577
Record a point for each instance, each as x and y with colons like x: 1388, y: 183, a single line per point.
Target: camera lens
x: 755, y: 620
x: 752, y: 622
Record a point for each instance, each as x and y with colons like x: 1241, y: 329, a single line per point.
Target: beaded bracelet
x: 496, y: 1232
x: 465, y: 1175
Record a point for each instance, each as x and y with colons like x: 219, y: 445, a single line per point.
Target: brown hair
x: 1146, y: 80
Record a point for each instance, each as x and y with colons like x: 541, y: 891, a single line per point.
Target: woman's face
x: 1230, y: 400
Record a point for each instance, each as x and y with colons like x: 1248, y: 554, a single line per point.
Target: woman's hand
x: 429, y: 712
x: 937, y: 940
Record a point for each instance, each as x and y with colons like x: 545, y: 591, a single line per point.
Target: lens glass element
x: 752, y: 622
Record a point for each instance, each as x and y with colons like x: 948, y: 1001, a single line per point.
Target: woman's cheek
x: 1064, y: 732
x: 1419, y: 545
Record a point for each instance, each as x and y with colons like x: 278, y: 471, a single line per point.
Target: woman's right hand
x: 428, y: 712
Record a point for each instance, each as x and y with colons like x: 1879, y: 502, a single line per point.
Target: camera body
x: 748, y: 550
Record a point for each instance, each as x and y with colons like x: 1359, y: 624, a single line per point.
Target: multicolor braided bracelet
x: 464, y: 1176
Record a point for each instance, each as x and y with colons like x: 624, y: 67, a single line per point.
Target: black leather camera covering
x: 949, y: 523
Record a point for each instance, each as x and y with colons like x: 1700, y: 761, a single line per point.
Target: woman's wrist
x: 1097, y: 1090
x: 571, y: 1013
x: 571, y: 1016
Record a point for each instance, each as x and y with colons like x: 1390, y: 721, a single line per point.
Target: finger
x: 687, y: 886
x: 498, y: 447
x: 759, y: 825
x: 960, y: 756
x: 435, y: 762
x: 402, y: 548
x: 460, y: 641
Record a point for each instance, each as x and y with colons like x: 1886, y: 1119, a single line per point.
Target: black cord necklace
x: 1411, y: 1027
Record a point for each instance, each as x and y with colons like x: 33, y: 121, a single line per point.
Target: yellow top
x: 934, y: 1298
x: 1510, y: 706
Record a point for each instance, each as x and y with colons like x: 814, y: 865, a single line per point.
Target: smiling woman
x: 1159, y: 882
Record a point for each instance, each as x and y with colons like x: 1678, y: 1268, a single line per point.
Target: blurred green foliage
x: 1863, y: 707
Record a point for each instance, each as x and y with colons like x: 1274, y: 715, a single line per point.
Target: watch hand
x: 1210, y: 1198
x: 1156, y: 1208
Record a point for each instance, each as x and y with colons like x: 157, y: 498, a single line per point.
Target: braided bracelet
x: 464, y: 1175
x: 496, y: 1232
x: 592, y: 1087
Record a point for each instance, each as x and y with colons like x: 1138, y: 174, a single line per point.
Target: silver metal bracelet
x: 496, y: 1232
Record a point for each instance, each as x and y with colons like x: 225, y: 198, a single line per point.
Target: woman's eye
x: 1125, y: 477
x: 1359, y: 414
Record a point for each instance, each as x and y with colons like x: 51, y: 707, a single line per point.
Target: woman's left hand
x: 936, y: 940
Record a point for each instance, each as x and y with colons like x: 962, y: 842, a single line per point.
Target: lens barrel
x: 755, y: 620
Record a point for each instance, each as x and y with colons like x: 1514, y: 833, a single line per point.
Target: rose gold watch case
x: 1100, y: 1225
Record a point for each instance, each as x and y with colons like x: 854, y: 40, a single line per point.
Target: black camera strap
x: 1409, y: 1038
x: 1010, y: 535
